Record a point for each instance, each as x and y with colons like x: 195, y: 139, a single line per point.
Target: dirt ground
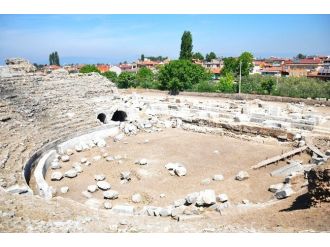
x: 204, y: 155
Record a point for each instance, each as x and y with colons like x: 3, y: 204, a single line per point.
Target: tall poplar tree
x: 186, y: 46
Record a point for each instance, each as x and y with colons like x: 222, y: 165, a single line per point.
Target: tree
x: 210, y: 56
x: 247, y: 63
x: 301, y: 56
x: 51, y: 59
x: 144, y: 77
x: 57, y: 59
x: 226, y: 83
x: 112, y: 76
x: 185, y: 73
x: 158, y: 58
x: 89, y: 69
x: 186, y: 46
x: 268, y: 84
x: 142, y: 57
x: 175, y: 86
x: 126, y: 80
x: 198, y: 56
x: 54, y: 59
x: 230, y: 66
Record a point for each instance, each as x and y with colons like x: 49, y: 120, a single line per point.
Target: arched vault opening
x: 102, y: 117
x: 119, y: 116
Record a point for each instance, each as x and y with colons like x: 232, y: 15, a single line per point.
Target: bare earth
x: 194, y: 150
x: 202, y: 162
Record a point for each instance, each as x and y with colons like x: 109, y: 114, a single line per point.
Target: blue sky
x: 115, y: 38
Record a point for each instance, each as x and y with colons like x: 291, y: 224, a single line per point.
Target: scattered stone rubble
x: 176, y: 169
x: 242, y: 175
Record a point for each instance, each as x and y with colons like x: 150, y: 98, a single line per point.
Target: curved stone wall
x: 40, y: 161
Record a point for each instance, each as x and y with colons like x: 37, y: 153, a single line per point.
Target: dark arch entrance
x: 102, y: 117
x: 119, y: 116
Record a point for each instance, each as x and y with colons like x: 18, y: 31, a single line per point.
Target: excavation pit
x: 203, y: 155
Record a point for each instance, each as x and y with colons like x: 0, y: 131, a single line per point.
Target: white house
x: 115, y: 69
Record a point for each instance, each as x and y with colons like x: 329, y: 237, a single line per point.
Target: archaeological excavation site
x: 77, y: 154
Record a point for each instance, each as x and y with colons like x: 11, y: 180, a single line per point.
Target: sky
x: 115, y: 38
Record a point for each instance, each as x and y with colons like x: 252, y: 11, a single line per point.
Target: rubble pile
x: 20, y: 64
x: 319, y: 184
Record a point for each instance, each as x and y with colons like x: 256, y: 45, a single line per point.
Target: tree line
x: 184, y: 75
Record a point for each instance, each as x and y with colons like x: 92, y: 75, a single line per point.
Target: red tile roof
x: 272, y: 69
x: 310, y: 61
x: 215, y: 70
x: 53, y: 67
x: 103, y: 68
x: 151, y: 63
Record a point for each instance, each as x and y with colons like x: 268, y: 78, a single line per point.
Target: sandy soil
x: 194, y: 150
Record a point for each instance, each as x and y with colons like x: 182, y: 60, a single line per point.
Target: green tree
x: 246, y: 58
x: 186, y: 46
x: 126, y: 80
x: 51, y: 59
x: 175, y: 86
x: 204, y: 86
x: 112, y: 76
x: 158, y: 58
x: 145, y: 77
x: 186, y: 73
x: 210, y: 56
x: 226, y: 83
x: 301, y: 56
x: 54, y: 59
x: 198, y: 56
x: 142, y: 57
x: 268, y: 84
x: 88, y: 69
x: 230, y: 66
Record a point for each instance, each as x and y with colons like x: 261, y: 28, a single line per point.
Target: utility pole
x: 240, y: 77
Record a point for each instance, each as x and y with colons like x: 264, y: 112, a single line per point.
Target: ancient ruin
x: 79, y: 155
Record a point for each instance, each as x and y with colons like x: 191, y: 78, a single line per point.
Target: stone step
x: 279, y: 157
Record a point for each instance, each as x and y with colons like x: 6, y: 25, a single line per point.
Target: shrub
x: 226, y: 84
x: 297, y: 87
x: 145, y: 78
x: 175, y: 86
x: 126, y: 80
x: 302, y: 88
x: 112, y: 76
x: 88, y: 69
x: 252, y: 84
x: 204, y: 86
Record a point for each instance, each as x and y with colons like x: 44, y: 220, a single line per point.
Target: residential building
x: 302, y: 67
x: 103, y: 67
x: 215, y: 73
x: 115, y: 69
x: 323, y: 73
x: 214, y: 63
x: 128, y: 67
x: 147, y: 63
x: 273, y: 71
